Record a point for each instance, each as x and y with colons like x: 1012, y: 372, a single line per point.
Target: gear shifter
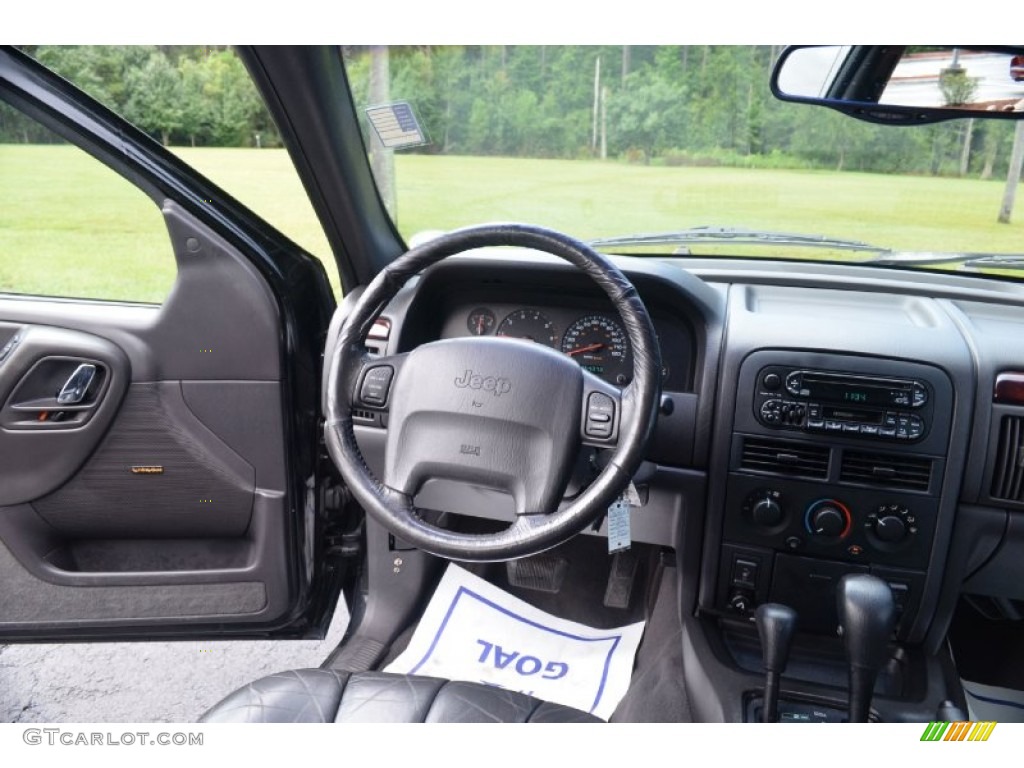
x: 867, y: 615
x: 775, y: 625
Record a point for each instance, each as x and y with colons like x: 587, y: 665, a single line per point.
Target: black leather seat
x: 330, y: 696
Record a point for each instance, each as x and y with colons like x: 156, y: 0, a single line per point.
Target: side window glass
x: 72, y: 227
x: 200, y: 102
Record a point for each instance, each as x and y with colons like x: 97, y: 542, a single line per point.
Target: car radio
x: 877, y: 407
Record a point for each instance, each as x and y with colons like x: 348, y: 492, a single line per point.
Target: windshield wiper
x: 883, y: 257
x: 736, y: 235
x: 968, y: 260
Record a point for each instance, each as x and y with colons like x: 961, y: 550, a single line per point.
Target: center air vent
x: 886, y: 469
x: 1008, y: 478
x: 784, y: 457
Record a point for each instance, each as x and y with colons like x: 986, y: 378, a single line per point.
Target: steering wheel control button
x: 600, y: 415
x: 376, y: 385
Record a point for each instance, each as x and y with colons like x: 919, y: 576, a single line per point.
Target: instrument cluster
x: 596, y: 340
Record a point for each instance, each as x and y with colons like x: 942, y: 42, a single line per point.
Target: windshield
x: 617, y: 142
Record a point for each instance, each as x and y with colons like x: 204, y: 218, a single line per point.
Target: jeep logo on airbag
x: 493, y: 384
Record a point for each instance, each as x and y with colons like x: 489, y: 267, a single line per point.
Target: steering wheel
x: 503, y: 413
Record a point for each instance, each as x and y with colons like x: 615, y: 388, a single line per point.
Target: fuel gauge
x: 480, y: 321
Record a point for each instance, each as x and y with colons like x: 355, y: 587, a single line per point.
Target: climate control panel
x: 854, y: 524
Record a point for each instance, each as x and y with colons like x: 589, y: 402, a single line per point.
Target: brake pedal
x: 542, y: 573
x: 621, y: 579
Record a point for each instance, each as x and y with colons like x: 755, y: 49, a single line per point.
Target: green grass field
x: 70, y: 227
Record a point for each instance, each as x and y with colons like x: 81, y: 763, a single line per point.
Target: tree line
x: 675, y: 105
x: 181, y: 95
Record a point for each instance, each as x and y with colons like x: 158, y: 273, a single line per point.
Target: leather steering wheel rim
x: 530, y: 533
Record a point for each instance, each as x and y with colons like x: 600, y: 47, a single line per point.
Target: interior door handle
x: 77, y: 385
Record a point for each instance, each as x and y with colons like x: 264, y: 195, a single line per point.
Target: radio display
x: 848, y: 392
x: 858, y: 415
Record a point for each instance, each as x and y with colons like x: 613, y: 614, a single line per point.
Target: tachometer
x: 599, y: 344
x: 529, y: 324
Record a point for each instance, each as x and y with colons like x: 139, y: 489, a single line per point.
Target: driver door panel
x: 161, y: 498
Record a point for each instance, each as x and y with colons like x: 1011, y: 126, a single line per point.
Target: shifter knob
x: 867, y: 615
x: 775, y: 625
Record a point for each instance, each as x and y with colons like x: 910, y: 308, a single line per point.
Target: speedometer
x: 599, y: 344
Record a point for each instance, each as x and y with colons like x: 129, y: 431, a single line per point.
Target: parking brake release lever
x: 867, y: 615
x: 74, y: 389
x: 775, y: 625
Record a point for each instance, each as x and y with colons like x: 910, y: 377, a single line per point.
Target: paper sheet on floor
x: 476, y: 632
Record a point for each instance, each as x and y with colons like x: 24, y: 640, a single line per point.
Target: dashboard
x: 821, y: 420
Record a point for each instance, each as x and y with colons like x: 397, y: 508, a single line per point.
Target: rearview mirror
x: 896, y: 83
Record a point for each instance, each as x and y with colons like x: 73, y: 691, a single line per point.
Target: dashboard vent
x: 1008, y: 478
x: 784, y: 457
x: 889, y: 469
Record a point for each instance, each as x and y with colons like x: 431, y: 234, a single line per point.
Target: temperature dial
x: 829, y: 518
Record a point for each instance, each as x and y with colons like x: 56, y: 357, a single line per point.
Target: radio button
x: 793, y: 383
x: 814, y: 410
x: 815, y: 424
x: 868, y: 429
x: 851, y: 428
x: 887, y: 432
x: 833, y: 426
x: 920, y: 394
x: 772, y: 381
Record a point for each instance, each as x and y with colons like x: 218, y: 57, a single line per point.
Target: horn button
x: 503, y: 413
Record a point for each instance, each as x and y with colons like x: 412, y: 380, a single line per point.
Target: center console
x: 836, y: 468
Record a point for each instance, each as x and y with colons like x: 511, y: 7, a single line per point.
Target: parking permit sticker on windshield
x: 396, y: 125
x: 475, y: 632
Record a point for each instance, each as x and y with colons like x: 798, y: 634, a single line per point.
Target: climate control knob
x: 764, y: 508
x: 767, y: 512
x: 891, y: 524
x: 828, y: 517
x: 890, y: 528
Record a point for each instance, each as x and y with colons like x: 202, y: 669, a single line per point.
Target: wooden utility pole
x: 597, y: 104
x: 991, y: 148
x: 965, y: 153
x: 1013, y: 176
x: 382, y: 160
x: 604, y: 123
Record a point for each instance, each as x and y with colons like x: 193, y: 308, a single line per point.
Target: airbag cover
x: 502, y: 413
